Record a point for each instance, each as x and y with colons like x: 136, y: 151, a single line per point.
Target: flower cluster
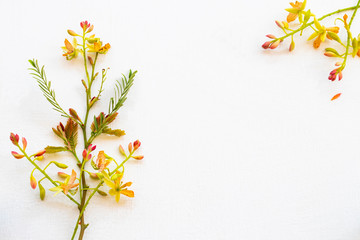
x: 93, y: 43
x: 321, y: 33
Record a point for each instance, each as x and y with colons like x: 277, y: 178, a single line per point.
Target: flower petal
x: 128, y: 193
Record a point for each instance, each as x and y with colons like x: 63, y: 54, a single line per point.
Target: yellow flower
x: 70, y: 50
x: 67, y: 185
x: 117, y: 186
x: 295, y: 11
x: 96, y: 46
x: 322, y: 33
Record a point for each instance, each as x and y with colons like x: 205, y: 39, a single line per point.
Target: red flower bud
x: 14, y: 138
x: 84, y: 154
x: 84, y: 25
x: 62, y: 127
x: 91, y: 148
x: 40, y: 153
x: 266, y: 45
x: 136, y: 144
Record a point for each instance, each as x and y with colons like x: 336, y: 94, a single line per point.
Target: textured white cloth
x: 239, y: 143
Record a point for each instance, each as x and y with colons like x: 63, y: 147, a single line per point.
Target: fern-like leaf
x: 121, y: 90
x: 45, y: 86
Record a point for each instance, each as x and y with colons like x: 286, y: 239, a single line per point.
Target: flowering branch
x: 90, y: 49
x: 320, y: 34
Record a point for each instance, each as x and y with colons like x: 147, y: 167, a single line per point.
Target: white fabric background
x: 239, y: 143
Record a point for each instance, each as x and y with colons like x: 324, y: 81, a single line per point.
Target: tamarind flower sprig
x: 321, y: 33
x: 105, y: 169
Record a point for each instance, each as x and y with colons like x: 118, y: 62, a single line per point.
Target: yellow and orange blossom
x: 101, y: 161
x: 67, y: 185
x: 297, y: 8
x: 117, y: 186
x: 70, y: 50
x: 322, y: 33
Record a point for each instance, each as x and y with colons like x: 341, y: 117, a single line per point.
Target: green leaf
x: 45, y: 86
x: 114, y: 132
x: 52, y: 149
x: 334, y: 36
x: 121, y: 90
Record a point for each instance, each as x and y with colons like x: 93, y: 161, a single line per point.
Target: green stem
x: 323, y: 17
x: 45, y: 174
x: 83, y: 187
x: 94, y: 191
x: 76, y: 157
x: 349, y: 37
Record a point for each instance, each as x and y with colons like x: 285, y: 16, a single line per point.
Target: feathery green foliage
x: 45, y: 86
x: 121, y: 91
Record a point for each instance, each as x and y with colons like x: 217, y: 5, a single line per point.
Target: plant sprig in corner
x: 307, y: 19
x: 105, y: 168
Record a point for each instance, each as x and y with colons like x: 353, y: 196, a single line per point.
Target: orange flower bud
x: 63, y: 175
x: 33, y: 182
x: 90, y: 29
x: 91, y: 60
x: 292, y: 46
x: 121, y: 150
x: 72, y: 33
x: 130, y: 147
x: 275, y: 44
x: 138, y: 157
x: 17, y: 155
x: 271, y: 36
x: 24, y: 142
x: 330, y: 54
x: 83, y: 82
